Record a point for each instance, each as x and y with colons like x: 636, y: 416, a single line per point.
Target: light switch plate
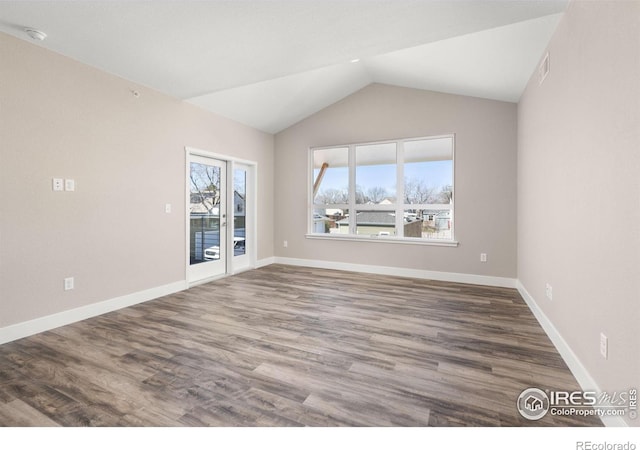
x: 69, y: 284
x: 69, y: 185
x: 604, y: 346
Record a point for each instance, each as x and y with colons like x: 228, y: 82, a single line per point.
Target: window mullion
x: 310, y: 199
x: 400, y: 189
x: 352, y: 189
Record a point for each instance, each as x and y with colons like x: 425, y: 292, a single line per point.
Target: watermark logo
x: 533, y: 404
x: 589, y: 445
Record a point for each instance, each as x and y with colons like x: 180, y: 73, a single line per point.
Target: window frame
x: 401, y: 206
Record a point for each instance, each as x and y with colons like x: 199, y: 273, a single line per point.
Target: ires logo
x: 534, y: 403
x: 575, y: 398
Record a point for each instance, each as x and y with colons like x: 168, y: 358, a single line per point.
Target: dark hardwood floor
x: 290, y: 346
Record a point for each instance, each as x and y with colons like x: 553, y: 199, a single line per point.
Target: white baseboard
x: 265, y: 262
x: 579, y: 371
x: 31, y: 327
x: 402, y: 272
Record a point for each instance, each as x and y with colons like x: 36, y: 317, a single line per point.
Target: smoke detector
x: 36, y: 35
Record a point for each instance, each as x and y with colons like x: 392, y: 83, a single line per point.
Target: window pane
x: 239, y: 211
x: 331, y: 176
x: 204, y: 209
x: 376, y: 174
x: 376, y: 223
x: 330, y: 220
x: 427, y: 224
x: 428, y: 171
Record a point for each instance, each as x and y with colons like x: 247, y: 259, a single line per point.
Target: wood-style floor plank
x: 17, y: 413
x: 291, y: 346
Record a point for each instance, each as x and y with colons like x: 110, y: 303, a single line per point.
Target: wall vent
x: 543, y: 70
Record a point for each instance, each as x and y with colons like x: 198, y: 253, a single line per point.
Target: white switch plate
x: 285, y: 244
x: 167, y: 208
x: 69, y: 185
x: 483, y: 257
x: 68, y: 284
x: 604, y: 346
x: 58, y: 184
x: 549, y: 291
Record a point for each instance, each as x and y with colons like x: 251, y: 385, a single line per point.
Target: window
x: 384, y: 190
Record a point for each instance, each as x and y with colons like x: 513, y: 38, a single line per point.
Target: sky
x: 435, y: 174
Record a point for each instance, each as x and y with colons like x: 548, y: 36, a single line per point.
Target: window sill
x: 386, y: 240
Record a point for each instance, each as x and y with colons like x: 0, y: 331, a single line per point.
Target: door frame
x: 251, y: 208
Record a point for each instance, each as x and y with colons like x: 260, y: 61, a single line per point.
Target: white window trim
x: 353, y: 206
x: 383, y: 239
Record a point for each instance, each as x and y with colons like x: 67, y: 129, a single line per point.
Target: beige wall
x: 60, y: 118
x: 579, y: 191
x: 485, y: 177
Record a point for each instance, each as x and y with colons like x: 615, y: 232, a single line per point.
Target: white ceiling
x: 271, y: 63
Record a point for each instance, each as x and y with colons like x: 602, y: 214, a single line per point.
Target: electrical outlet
x: 285, y: 244
x: 68, y: 284
x: 604, y: 346
x: 483, y: 257
x: 57, y: 184
x: 549, y: 292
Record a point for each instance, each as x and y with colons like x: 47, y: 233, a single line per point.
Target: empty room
x: 316, y: 213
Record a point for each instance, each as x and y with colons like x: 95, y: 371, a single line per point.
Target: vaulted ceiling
x: 271, y: 63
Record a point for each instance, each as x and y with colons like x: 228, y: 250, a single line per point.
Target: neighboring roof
x: 206, y: 207
x: 372, y: 218
x: 386, y: 218
x: 437, y: 212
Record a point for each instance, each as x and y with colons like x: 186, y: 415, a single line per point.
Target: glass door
x: 242, y: 218
x: 207, y: 218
